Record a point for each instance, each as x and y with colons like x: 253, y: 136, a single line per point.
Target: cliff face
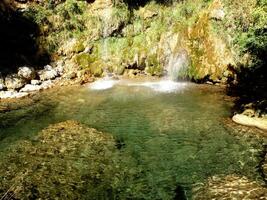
x: 135, y: 37
x: 18, y: 36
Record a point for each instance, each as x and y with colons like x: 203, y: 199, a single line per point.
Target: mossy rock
x: 78, y: 47
x: 96, y: 68
x: 66, y: 161
x: 153, y: 67
x: 118, y: 69
x: 84, y: 60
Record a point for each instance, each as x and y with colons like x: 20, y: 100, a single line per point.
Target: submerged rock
x: 66, y: 161
x: 229, y: 187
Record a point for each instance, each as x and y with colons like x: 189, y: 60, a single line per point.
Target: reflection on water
x: 172, y: 139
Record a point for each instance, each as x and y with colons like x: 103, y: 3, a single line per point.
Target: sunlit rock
x: 229, y: 187
x: 36, y: 82
x: 46, y: 84
x: 14, y: 82
x: 30, y: 88
x: 217, y: 14
x: 26, y: 73
x: 48, y: 73
x: 60, y: 67
x: 2, y: 82
x: 250, y: 121
x: 12, y: 94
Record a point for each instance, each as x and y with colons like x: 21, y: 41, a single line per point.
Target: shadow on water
x: 18, y: 39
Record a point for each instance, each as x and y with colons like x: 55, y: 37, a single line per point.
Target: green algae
x: 65, y: 161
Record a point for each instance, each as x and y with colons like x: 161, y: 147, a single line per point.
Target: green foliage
x: 254, y: 40
x: 153, y: 66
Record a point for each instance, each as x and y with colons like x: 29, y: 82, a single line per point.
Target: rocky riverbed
x: 234, y: 186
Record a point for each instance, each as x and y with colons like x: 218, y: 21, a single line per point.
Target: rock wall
x: 98, y: 37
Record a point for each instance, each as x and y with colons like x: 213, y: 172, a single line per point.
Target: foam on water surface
x: 103, y: 84
x: 165, y: 86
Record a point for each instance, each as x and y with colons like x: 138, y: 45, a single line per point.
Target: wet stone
x: 230, y: 187
x: 66, y: 161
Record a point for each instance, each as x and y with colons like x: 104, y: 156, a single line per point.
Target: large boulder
x: 82, y: 168
x: 26, y: 73
x: 14, y: 82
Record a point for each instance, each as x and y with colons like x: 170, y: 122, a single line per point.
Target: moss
x: 84, y: 60
x: 96, y: 68
x: 63, y: 162
x: 78, y: 47
x: 118, y: 69
x: 153, y: 67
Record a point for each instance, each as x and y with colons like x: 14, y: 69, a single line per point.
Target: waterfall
x: 106, y: 20
x: 106, y: 17
x: 107, y: 82
x: 177, y: 65
x: 176, y: 69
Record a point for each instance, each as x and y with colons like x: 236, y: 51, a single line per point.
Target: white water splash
x: 166, y: 86
x: 103, y: 84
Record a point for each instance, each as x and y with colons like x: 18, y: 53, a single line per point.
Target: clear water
x: 176, y: 138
